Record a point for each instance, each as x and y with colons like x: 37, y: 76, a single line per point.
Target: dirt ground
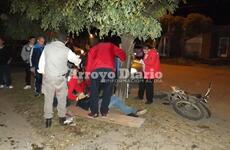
x: 22, y: 126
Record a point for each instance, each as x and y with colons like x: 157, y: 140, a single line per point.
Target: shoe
x: 1, y: 86
x: 141, y: 112
x: 27, y: 87
x: 93, y: 115
x: 62, y: 121
x: 148, y: 102
x: 68, y: 120
x: 132, y: 115
x: 48, y: 122
x: 37, y: 94
x: 10, y: 87
x: 104, y: 114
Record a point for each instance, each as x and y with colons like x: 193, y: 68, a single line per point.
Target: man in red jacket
x: 101, y: 67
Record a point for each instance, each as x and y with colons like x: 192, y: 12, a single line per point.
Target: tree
x: 129, y: 19
x: 196, y: 24
x: 20, y: 28
x: 17, y: 26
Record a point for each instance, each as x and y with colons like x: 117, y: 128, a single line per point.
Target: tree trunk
x: 127, y: 44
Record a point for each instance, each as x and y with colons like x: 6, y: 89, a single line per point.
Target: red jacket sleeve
x: 157, y: 63
x: 89, y: 60
x: 119, y: 53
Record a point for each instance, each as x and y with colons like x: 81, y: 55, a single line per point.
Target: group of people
x: 31, y: 53
x: 93, y: 91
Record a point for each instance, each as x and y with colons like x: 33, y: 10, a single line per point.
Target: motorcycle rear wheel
x: 189, y: 110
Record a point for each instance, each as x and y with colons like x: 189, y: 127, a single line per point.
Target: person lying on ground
x: 116, y: 103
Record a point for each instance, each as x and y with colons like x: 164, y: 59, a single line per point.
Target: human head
x: 150, y: 44
x: 31, y: 40
x: 146, y: 48
x: 41, y: 40
x: 74, y: 71
x: 62, y: 37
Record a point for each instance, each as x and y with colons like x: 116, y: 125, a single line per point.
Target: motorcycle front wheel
x: 189, y: 110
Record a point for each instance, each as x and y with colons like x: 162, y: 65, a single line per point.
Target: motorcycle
x: 190, y: 106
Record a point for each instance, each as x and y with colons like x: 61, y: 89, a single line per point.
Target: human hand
x: 32, y: 70
x: 81, y: 96
x: 141, y: 61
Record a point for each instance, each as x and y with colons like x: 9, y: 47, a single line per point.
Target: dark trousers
x: 98, y: 85
x: 38, y: 82
x: 147, y: 85
x: 5, y: 78
x: 28, y: 74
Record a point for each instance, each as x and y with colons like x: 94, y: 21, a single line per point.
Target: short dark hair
x: 147, y: 46
x: 61, y: 36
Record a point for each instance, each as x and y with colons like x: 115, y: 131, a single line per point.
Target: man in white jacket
x: 53, y: 66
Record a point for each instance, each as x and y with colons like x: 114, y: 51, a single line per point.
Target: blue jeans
x: 38, y: 82
x: 116, y: 102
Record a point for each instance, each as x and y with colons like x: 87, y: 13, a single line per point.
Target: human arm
x: 41, y: 64
x: 23, y: 55
x: 90, y: 60
x: 119, y: 53
x: 31, y: 58
x: 72, y: 57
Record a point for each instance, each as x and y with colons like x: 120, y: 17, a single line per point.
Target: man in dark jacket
x: 34, y: 60
x: 5, y: 59
x: 101, y: 66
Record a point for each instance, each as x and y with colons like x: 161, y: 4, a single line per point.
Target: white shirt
x: 72, y: 57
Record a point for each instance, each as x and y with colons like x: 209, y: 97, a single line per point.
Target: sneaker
x: 62, y: 121
x: 27, y: 87
x: 1, y: 86
x: 10, y: 87
x: 142, y: 112
x: 68, y: 120
x: 37, y: 94
x: 104, y: 115
x: 132, y: 115
x: 92, y: 115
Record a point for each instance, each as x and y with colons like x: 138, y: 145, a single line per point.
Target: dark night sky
x: 218, y: 10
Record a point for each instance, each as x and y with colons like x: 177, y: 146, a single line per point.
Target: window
x: 223, y: 48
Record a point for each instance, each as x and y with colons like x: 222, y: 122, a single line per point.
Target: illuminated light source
x: 90, y: 35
